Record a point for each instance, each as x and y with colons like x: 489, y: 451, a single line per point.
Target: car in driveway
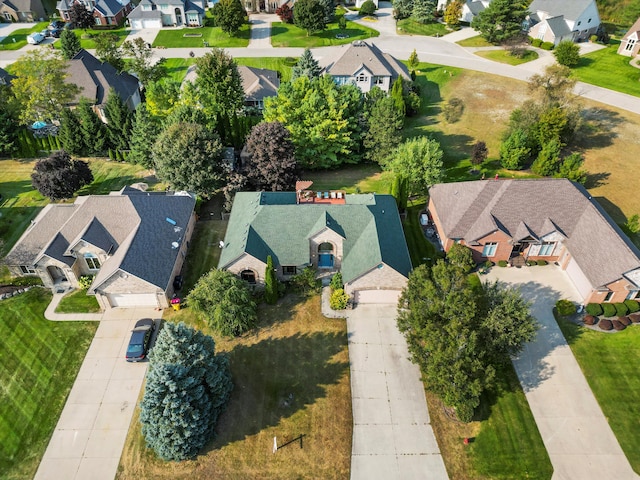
x: 140, y: 339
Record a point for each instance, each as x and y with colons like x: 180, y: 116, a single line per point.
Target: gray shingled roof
x: 271, y: 223
x: 95, y: 78
x: 470, y: 210
x: 109, y: 8
x: 350, y: 58
x: 570, y: 9
x: 258, y: 83
x: 139, y: 14
x: 558, y: 26
x: 635, y: 28
x: 5, y: 77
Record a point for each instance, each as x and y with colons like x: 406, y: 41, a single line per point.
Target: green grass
x: 78, y: 302
x: 421, y: 250
x: 609, y: 363
x: 89, y: 43
x: 214, y: 35
x: 280, y: 64
x: 476, y: 41
x: 18, y: 38
x: 408, y: 26
x: 288, y: 35
x: 354, y: 178
x: 177, y: 68
x: 503, y: 56
x: 605, y: 68
x: 203, y: 252
x: 39, y: 361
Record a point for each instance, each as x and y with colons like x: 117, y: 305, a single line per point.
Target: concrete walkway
x: 90, y: 434
x: 147, y: 34
x: 382, y: 22
x: 261, y: 30
x: 575, y: 432
x: 392, y: 434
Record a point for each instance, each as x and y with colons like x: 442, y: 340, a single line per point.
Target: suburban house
x: 257, y: 83
x: 630, y: 43
x: 553, y: 21
x: 22, y: 11
x: 470, y: 8
x: 105, y: 12
x: 5, y: 77
x: 364, y: 65
x: 155, y: 14
x: 359, y: 235
x: 96, y: 79
x: 549, y: 219
x: 133, y: 242
x: 266, y: 6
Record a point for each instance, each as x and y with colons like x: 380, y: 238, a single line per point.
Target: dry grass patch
x: 291, y: 377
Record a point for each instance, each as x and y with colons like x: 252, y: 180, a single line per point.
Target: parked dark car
x: 56, y: 25
x: 140, y: 338
x: 177, y: 282
x: 55, y: 33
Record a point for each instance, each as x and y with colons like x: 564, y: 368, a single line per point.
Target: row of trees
x: 422, y: 11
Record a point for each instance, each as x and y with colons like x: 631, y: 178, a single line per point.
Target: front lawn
x: 213, y: 35
x: 605, y: 68
x: 288, y: 35
x: 291, y: 378
x: 476, y: 41
x: 503, y: 56
x: 177, y: 67
x: 39, y: 361
x: 204, y: 252
x: 609, y: 363
x: 408, y: 26
x: 87, y: 37
x: 18, y: 38
x: 353, y: 178
x: 78, y: 302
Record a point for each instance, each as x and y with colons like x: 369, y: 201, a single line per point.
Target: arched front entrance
x: 248, y: 276
x: 56, y: 274
x: 325, y: 255
x: 178, y: 14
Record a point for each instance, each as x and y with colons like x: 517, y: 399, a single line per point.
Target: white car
x: 35, y: 38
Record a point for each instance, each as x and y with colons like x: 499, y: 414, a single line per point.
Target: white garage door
x: 145, y: 23
x: 376, y: 296
x: 133, y: 300
x: 578, y: 278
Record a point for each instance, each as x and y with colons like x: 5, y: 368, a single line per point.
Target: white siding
x: 377, y: 296
x: 133, y: 300
x: 579, y: 279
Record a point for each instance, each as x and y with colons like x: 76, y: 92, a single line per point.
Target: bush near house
x: 536, y: 42
x: 635, y: 318
x: 502, y: 263
x: 542, y: 262
x: 565, y: 307
x: 594, y: 309
x: 632, y: 305
x: 608, y: 310
x: 339, y: 299
x: 621, y: 309
x: 547, y: 45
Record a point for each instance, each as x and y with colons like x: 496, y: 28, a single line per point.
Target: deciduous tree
x: 162, y: 96
x: 419, y: 161
x: 107, y: 50
x: 285, y: 12
x: 452, y: 13
x: 189, y: 157
x: 225, y: 302
x: 229, y: 15
x: 501, y: 20
x: 567, y: 53
x: 69, y: 44
x: 309, y: 15
x: 142, y: 63
x: 59, y: 177
x: 271, y: 164
x: 479, y: 152
x: 80, y: 16
x: 218, y: 85
x: 187, y: 387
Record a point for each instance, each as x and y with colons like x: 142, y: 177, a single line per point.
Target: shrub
x: 621, y: 309
x: 306, y: 282
x: 26, y: 281
x: 565, y: 308
x: 626, y: 321
x: 605, y: 324
x: 618, y: 325
x: 531, y: 263
x: 502, y: 263
x: 590, y: 320
x: 453, y: 110
x: 270, y: 283
x: 85, y: 281
x: 608, y: 310
x: 336, y: 282
x: 542, y: 262
x: 635, y: 318
x: 536, y: 42
x: 593, y: 38
x: 594, y: 309
x: 339, y: 299
x: 546, y: 45
x: 632, y: 305
x: 367, y: 8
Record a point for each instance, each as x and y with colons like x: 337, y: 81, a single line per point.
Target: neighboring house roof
x: 258, y: 83
x: 23, y: 6
x: 190, y: 7
x: 349, y: 59
x: 96, y: 78
x: 109, y: 8
x: 139, y: 14
x: 471, y: 210
x: 634, y: 31
x: 5, y: 77
x: 559, y: 26
x: 570, y: 9
x: 272, y: 223
x: 131, y: 226
x: 476, y: 7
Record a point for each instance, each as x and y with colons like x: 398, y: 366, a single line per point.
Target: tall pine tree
x: 70, y: 134
x: 307, y: 66
x: 143, y: 136
x: 119, y: 121
x: 270, y: 283
x: 69, y: 44
x: 92, y: 129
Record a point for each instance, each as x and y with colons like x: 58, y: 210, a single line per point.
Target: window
x: 288, y: 270
x: 378, y: 80
x: 589, y: 21
x: 27, y: 269
x: 361, y: 78
x: 579, y: 22
x: 97, y: 20
x: 630, y: 44
x: 633, y: 294
x: 7, y: 16
x: 547, y: 248
x: 248, y: 276
x: 489, y: 249
x: 608, y: 296
x: 92, y: 261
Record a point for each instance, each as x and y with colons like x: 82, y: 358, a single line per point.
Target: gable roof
x: 559, y: 26
x: 5, y: 77
x: 96, y: 78
x: 349, y: 59
x: 469, y: 210
x: 272, y: 223
x: 109, y: 8
x: 23, y: 5
x: 635, y: 29
x: 258, y: 83
x: 570, y: 9
x: 131, y: 226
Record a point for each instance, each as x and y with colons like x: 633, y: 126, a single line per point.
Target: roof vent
x: 171, y: 221
x: 174, y: 245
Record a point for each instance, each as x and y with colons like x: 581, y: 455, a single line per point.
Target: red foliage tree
x: 285, y: 12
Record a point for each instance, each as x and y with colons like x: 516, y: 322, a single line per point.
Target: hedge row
x: 613, y: 309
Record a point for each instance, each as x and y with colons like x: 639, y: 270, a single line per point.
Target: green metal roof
x: 272, y: 223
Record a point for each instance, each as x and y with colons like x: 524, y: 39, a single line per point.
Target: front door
x: 56, y: 274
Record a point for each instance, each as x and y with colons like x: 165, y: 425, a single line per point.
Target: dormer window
x: 361, y: 78
x: 92, y: 261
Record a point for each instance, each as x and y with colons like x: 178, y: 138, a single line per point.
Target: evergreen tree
x: 329, y: 11
x: 309, y: 15
x: 515, y: 151
x: 413, y: 61
x: 397, y: 93
x: 187, y: 388
x: 270, y: 283
x: 144, y: 133
x: 69, y: 44
x: 384, y: 133
x: 400, y: 191
x: 423, y: 11
x: 8, y: 132
x: 548, y: 161
x: 402, y: 9
x: 307, y: 66
x: 70, y: 133
x: 119, y: 121
x: 93, y: 131
x: 501, y: 20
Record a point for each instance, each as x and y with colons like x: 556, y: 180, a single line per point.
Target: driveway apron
x: 575, y: 432
x: 392, y: 434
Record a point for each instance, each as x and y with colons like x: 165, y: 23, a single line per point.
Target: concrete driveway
x: 89, y: 437
x: 575, y: 432
x: 392, y: 434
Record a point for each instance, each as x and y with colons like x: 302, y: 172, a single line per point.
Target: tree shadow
x: 599, y: 129
x: 612, y: 209
x: 275, y: 378
x: 596, y: 179
x: 107, y: 185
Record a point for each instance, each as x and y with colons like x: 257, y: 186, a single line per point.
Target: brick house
x: 133, y: 242
x: 358, y: 235
x: 105, y: 12
x: 545, y: 219
x: 22, y: 11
